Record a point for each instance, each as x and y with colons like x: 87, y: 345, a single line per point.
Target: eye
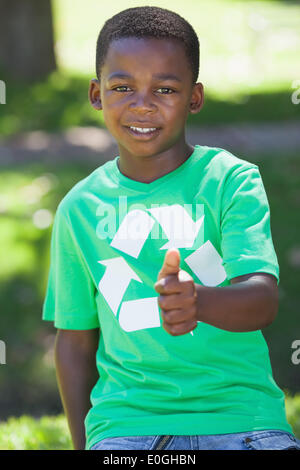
x: 121, y: 88
x: 166, y: 91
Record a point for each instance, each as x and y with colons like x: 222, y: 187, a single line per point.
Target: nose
x: 142, y: 102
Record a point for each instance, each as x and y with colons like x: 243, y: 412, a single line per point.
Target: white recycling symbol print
x: 134, y: 230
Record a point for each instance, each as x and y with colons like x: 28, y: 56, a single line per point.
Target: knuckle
x: 158, y: 287
x: 188, y: 285
x: 167, y: 288
x: 171, y: 316
x: 170, y: 286
x: 162, y: 301
x: 181, y: 328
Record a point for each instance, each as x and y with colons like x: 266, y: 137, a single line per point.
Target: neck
x: 146, y: 169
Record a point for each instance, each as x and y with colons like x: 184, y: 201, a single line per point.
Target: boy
x: 181, y: 362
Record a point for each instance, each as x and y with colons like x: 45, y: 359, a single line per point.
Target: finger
x: 171, y: 263
x: 175, y: 301
x: 180, y: 328
x: 171, y: 284
x: 178, y: 315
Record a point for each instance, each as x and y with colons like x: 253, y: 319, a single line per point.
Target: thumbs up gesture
x: 178, y: 298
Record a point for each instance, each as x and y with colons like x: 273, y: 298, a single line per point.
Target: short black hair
x: 148, y: 22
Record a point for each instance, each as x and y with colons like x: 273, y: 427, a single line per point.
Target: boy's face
x: 146, y: 83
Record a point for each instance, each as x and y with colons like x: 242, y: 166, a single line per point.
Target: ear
x: 94, y: 94
x: 197, y: 98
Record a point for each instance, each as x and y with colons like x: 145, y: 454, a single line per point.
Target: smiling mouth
x: 143, y: 132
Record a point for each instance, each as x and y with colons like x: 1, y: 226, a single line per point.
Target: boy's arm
x: 250, y: 303
x: 76, y: 371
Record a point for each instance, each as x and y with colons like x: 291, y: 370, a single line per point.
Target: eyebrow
x: 159, y: 76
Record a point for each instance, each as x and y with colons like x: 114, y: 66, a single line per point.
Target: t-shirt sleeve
x: 246, y: 239
x: 70, y: 295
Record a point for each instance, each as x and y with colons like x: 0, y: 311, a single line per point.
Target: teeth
x: 143, y: 129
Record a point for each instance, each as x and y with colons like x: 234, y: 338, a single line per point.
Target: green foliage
x: 281, y: 176
x: 54, y: 104
x: 29, y: 198
x: 249, y: 63
x: 27, y: 433
x: 247, y: 47
x: 61, y: 102
x: 293, y: 412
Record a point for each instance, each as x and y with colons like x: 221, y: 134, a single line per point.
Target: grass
x: 27, y: 433
x: 293, y: 413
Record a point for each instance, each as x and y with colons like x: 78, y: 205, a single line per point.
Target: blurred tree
x: 26, y: 39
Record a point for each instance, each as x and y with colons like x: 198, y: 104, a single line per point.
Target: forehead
x: 146, y: 55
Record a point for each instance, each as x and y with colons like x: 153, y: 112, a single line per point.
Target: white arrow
x: 115, y: 281
x: 178, y: 226
x: 133, y: 232
x: 139, y: 314
x: 206, y: 263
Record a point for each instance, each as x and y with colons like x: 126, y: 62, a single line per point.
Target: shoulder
x: 223, y: 171
x: 84, y: 189
x: 226, y: 163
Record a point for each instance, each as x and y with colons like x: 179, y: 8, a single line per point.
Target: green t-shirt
x: 109, y: 240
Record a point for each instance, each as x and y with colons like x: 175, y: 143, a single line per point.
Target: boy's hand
x: 178, y: 299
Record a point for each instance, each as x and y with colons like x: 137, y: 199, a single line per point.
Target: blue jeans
x: 252, y: 440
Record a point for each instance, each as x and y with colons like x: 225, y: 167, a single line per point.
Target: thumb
x: 171, y: 264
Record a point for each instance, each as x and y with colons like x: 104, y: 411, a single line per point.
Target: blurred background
x: 50, y: 138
